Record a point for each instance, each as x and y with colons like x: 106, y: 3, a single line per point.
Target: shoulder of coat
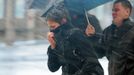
x: 73, y: 31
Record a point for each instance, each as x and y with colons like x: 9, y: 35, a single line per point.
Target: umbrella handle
x: 87, y: 17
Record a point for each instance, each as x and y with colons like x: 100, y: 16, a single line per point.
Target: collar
x: 124, y: 21
x: 62, y: 27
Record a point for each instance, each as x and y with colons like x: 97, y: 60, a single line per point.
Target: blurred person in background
x: 80, y: 21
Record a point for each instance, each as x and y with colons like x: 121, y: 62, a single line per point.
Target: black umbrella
x: 81, y: 6
x: 73, y: 5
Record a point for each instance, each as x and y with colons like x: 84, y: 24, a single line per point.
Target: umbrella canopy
x: 72, y: 5
x: 40, y: 5
x: 79, y: 5
x: 56, y: 7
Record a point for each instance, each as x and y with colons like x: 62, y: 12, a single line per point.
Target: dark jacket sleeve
x: 53, y: 61
x: 86, y: 52
x: 96, y: 42
x: 105, y: 42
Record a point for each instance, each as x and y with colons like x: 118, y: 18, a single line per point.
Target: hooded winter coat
x: 73, y: 53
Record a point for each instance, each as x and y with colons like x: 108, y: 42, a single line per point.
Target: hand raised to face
x: 50, y: 37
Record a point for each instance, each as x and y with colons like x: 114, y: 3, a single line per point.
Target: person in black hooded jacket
x: 69, y: 47
x: 79, y: 20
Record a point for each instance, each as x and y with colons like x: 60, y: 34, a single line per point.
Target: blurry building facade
x: 18, y: 23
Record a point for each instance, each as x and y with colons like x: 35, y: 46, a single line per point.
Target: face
x: 120, y: 12
x: 52, y: 24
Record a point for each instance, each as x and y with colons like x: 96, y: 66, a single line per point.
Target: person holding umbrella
x: 69, y: 47
x: 87, y: 22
